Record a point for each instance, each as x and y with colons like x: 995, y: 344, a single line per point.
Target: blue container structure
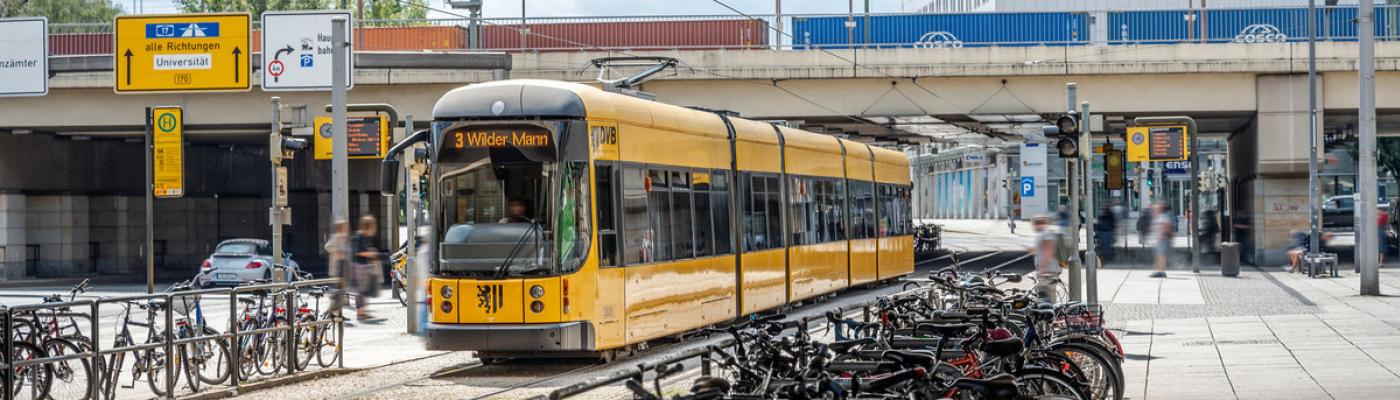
x: 942, y: 30
x: 1247, y: 25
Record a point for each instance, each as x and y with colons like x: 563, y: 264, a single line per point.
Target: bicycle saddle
x: 944, y: 329
x: 846, y: 345
x: 995, y: 388
x: 1004, y: 347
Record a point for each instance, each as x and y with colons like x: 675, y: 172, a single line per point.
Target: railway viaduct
x: 61, y: 217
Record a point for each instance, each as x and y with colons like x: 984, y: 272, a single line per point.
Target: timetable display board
x: 1158, y: 143
x: 367, y: 137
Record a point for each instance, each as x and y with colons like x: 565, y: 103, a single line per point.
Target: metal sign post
x: 340, y: 164
x: 274, y: 212
x: 165, y: 176
x: 150, y: 222
x: 1091, y: 265
x: 1192, y: 137
x: 1076, y: 265
x: 1367, y: 236
x: 410, y: 269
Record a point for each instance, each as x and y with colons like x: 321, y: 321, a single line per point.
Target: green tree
x: 1387, y: 155
x: 61, y: 11
x: 254, y: 7
x: 395, y: 9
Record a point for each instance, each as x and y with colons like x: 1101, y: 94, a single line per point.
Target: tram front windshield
x: 503, y: 198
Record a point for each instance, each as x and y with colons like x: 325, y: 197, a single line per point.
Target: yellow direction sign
x: 168, y: 151
x: 1159, y: 143
x: 182, y: 53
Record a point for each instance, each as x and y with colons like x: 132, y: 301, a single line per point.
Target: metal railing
x: 284, y: 295
x: 826, y: 31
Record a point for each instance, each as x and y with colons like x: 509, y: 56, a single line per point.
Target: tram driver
x: 519, y: 213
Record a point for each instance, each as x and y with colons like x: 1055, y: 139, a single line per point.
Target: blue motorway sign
x: 181, y: 30
x: 1028, y: 186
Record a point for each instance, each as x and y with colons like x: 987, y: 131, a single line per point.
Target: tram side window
x: 701, y: 184
x: 755, y: 216
x: 802, y: 211
x: 775, y: 218
x: 838, y: 209
x: 683, y: 230
x: 862, y: 210
x: 659, y: 203
x: 606, y: 181
x: 575, y: 219
x: 719, y: 200
x: 886, y: 200
x: 637, y: 228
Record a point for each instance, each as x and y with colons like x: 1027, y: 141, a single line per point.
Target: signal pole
x: 1367, y: 239
x: 1086, y: 154
x: 1076, y: 265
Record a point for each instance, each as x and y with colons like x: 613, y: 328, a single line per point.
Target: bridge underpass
x: 1253, y: 94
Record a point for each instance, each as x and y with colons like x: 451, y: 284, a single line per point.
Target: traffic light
x: 285, y: 147
x: 1065, y: 133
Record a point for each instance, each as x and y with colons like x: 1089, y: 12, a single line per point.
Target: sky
x: 564, y: 8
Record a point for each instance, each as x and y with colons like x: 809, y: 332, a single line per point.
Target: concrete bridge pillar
x: 12, y: 237
x: 1271, y: 163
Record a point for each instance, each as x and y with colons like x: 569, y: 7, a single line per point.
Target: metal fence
x: 825, y: 31
x: 100, y: 356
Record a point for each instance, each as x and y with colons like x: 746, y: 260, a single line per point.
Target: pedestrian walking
x: 1210, y: 226
x: 1144, y: 225
x: 1104, y: 227
x: 1163, y: 229
x: 338, y: 260
x: 1382, y: 222
x: 1047, y: 262
x: 366, y: 274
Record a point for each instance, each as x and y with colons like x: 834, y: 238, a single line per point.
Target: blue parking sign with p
x: 1028, y: 186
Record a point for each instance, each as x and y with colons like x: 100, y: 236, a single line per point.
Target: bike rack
x: 12, y: 366
x: 166, y: 333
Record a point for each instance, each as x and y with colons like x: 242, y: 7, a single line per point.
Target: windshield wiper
x: 514, y: 251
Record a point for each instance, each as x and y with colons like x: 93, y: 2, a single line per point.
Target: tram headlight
x: 446, y: 306
x: 537, y: 306
x: 536, y: 291
x: 446, y: 292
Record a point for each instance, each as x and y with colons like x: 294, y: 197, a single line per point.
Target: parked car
x: 239, y: 261
x: 1339, y: 212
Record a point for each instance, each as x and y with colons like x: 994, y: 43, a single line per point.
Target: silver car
x: 239, y: 261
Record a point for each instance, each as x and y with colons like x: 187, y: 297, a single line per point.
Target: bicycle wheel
x: 212, y: 359
x: 1037, y: 382
x: 71, y: 379
x: 111, y: 372
x: 188, y: 366
x: 32, y: 381
x: 154, y: 370
x: 273, y: 352
x: 306, y: 342
x: 328, y: 342
x: 248, y: 350
x: 1103, y: 378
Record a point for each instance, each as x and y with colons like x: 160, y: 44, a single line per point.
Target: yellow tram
x: 572, y: 221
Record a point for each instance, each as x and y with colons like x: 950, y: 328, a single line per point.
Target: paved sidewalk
x: 1267, y: 334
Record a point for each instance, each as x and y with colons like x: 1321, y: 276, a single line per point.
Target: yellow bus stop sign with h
x: 168, y: 152
x: 182, y: 53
